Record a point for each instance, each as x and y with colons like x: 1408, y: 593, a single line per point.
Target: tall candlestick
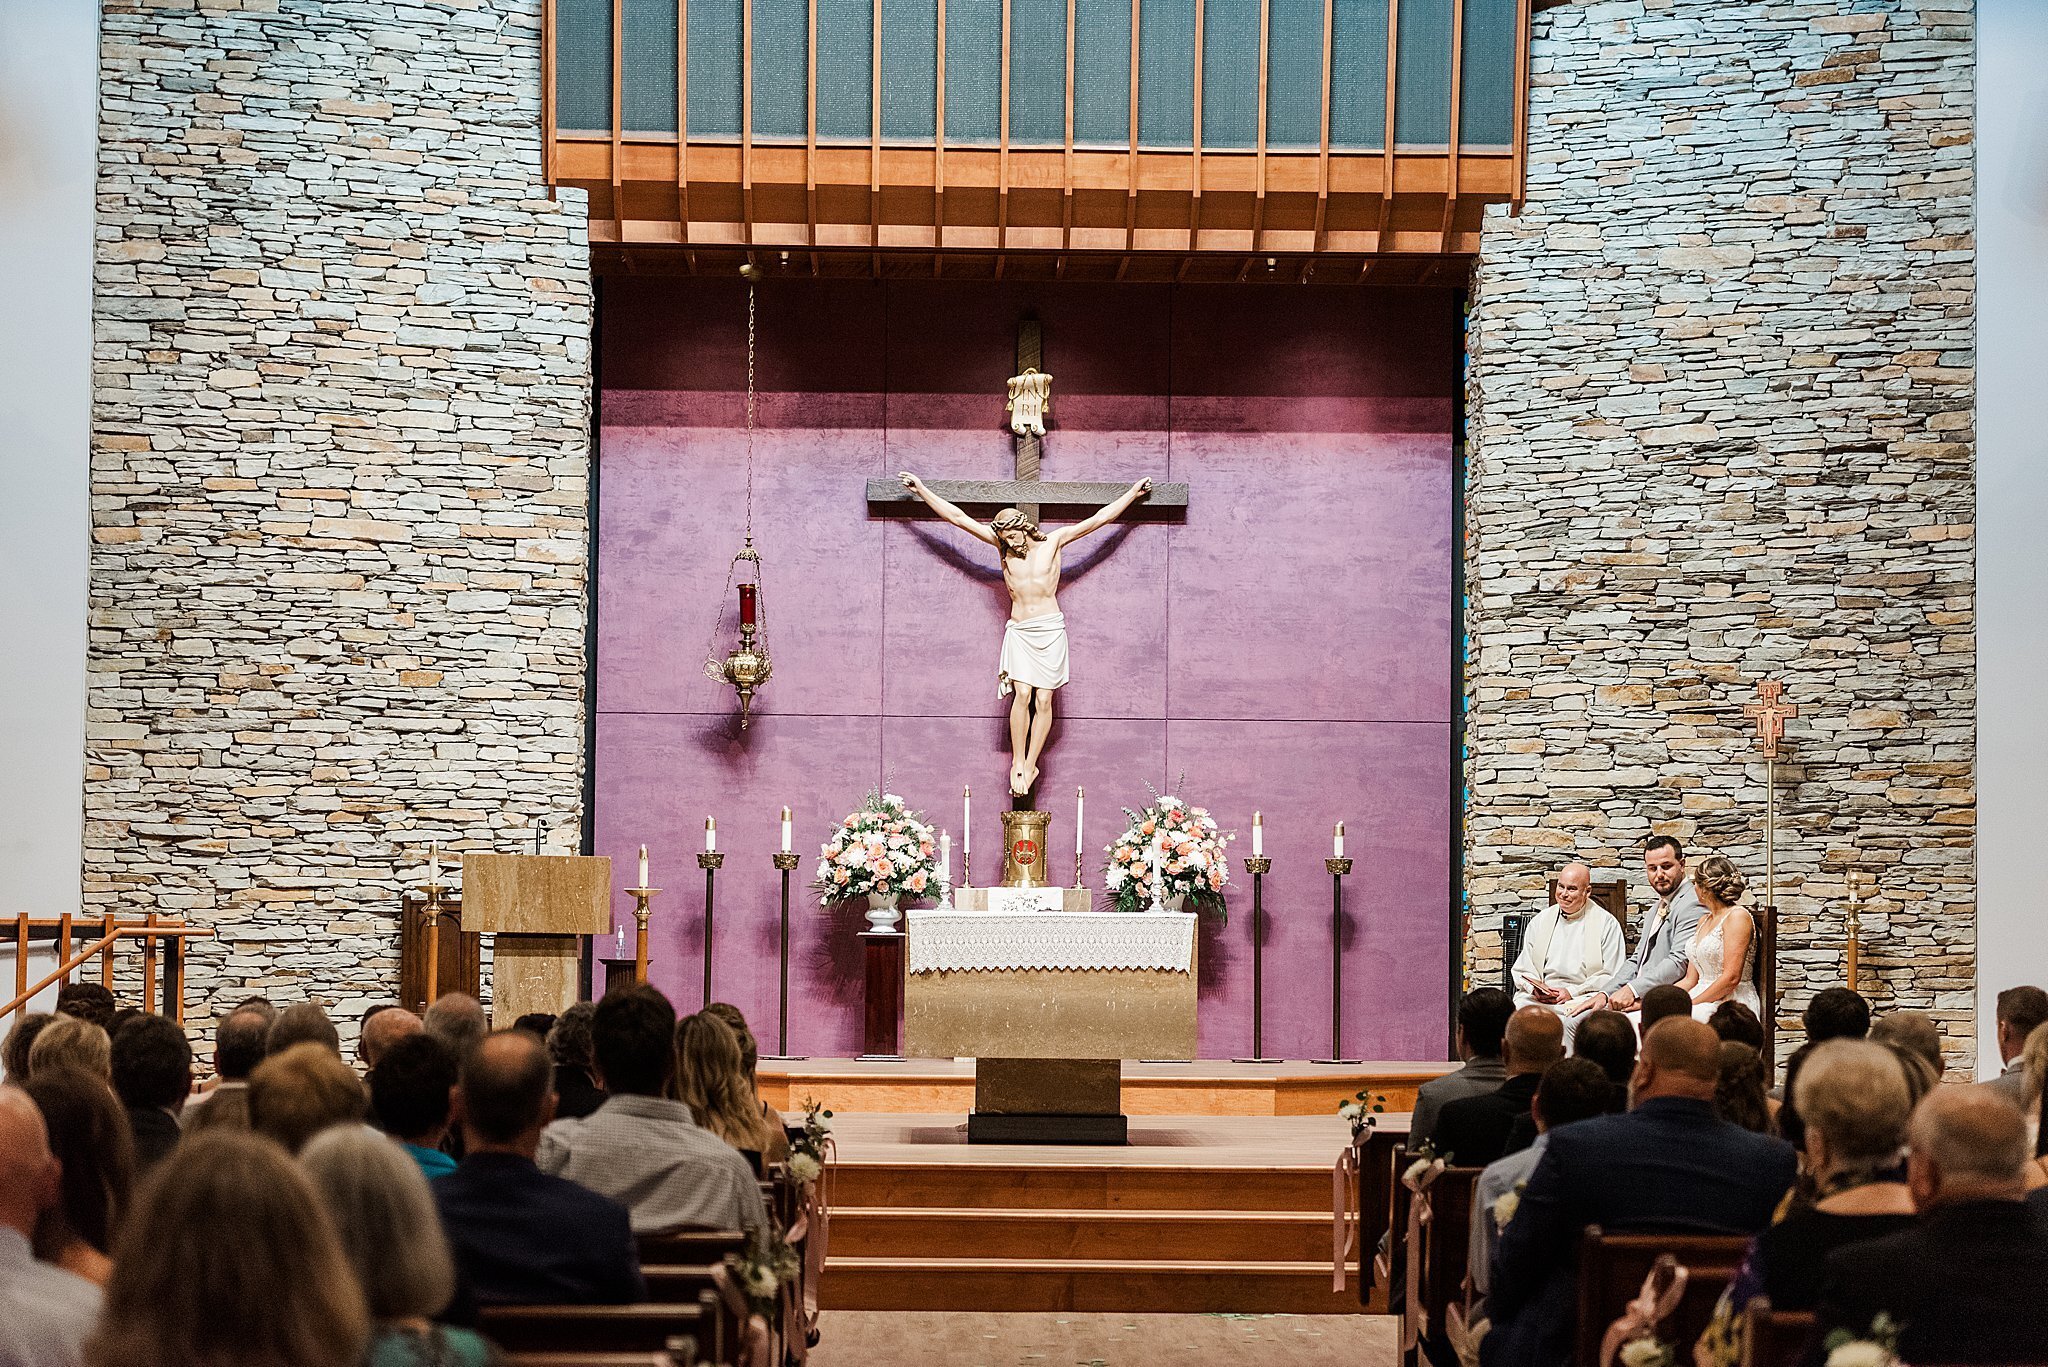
x: 1338, y: 852
x: 1080, y: 818
x: 1258, y: 841
x: 643, y: 869
x: 785, y: 830
x: 966, y: 821
x: 710, y: 835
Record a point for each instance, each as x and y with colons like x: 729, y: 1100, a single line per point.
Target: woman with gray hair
x: 1855, y: 1102
x: 391, y: 1235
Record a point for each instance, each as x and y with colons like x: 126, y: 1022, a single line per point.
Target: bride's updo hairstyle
x: 1716, y: 875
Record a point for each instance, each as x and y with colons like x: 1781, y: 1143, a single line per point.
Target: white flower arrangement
x: 881, y: 849
x: 1646, y: 1352
x: 804, y: 1168
x: 762, y: 1271
x: 807, y: 1150
x: 1506, y: 1204
x: 1179, y: 841
x: 1413, y: 1172
x: 1363, y: 1113
x: 1880, y: 1348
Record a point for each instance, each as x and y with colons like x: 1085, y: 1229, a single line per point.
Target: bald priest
x: 1570, y: 951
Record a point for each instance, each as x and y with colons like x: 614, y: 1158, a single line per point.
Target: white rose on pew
x: 761, y: 1281
x: 804, y: 1168
x: 1415, y: 1170
x: 1861, y: 1353
x: 1645, y: 1352
x: 1505, y: 1206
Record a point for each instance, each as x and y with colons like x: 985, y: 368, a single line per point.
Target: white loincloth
x: 1034, y: 653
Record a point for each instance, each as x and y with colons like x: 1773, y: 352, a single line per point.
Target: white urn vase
x: 882, y: 914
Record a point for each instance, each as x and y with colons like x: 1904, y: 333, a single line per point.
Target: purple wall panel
x: 1287, y: 646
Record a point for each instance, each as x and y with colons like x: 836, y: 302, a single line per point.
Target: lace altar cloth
x: 995, y: 942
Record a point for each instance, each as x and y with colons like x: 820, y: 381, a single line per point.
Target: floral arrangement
x: 1364, y: 1112
x: 883, y: 849
x: 1418, y: 1167
x: 1878, y: 1348
x: 1648, y: 1351
x: 1182, y: 844
x: 1506, y: 1204
x: 762, y: 1271
x: 807, y: 1150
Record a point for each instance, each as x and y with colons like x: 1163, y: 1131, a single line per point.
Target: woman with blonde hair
x: 229, y: 1258
x: 391, y: 1234
x: 68, y: 1042
x: 1721, y: 955
x: 712, y: 1080
x: 750, y: 1064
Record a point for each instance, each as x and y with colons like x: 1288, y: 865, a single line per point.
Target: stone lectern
x: 538, y: 906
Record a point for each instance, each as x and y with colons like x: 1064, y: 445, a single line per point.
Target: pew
x: 1612, y: 1268
x: 1447, y: 1247
x: 678, y: 1283
x: 676, y: 1359
x: 1776, y: 1338
x: 700, y: 1328
x: 690, y: 1247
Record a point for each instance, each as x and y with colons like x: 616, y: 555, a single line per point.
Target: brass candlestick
x: 710, y: 862
x: 1338, y: 869
x: 1258, y: 866
x: 640, y: 896
x: 433, y: 914
x: 785, y: 862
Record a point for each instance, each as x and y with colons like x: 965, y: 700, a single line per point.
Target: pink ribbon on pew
x: 814, y: 1228
x: 1648, y: 1310
x: 1343, y: 1214
x: 1418, y: 1178
x: 756, y: 1347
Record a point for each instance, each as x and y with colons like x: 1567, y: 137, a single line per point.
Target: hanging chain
x: 750, y: 413
x: 714, y: 662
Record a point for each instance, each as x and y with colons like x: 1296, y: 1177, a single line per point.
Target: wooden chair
x: 1611, y: 1272
x: 1611, y: 894
x: 1776, y: 1338
x: 643, y: 1329
x: 691, y: 1247
x: 1447, y: 1245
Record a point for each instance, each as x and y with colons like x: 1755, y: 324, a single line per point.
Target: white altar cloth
x: 994, y: 942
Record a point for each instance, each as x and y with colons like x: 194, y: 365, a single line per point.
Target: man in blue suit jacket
x: 520, y: 1236
x: 1669, y: 1166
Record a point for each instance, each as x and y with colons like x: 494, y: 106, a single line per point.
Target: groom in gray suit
x: 1659, y: 957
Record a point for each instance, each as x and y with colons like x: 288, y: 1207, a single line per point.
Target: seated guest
x: 152, y: 1067
x: 45, y: 1312
x: 569, y: 1047
x: 1569, y: 950
x: 1608, y: 1038
x: 750, y: 1065
x: 88, y: 1002
x: 1834, y: 1013
x: 89, y: 1136
x: 519, y: 1236
x: 1720, y: 962
x: 14, y: 1053
x: 1475, y: 1130
x: 73, y: 1042
x: 302, y: 1023
x: 640, y: 1148
x: 1662, y: 1003
x: 2021, y: 1011
x: 1915, y: 1041
x: 1668, y: 1165
x: 536, y: 1023
x: 1573, y: 1090
x: 238, y: 1046
x: 1740, y: 1097
x: 1482, y: 1022
x: 392, y: 1237
x: 300, y: 1092
x: 228, y: 1257
x: 384, y: 1025
x: 1659, y: 956
x: 1855, y: 1100
x: 712, y: 1081
x: 1967, y: 1282
x: 1733, y: 1020
x: 411, y: 1091
x: 459, y: 1020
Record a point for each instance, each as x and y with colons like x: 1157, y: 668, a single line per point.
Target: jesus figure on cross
x: 1034, y: 658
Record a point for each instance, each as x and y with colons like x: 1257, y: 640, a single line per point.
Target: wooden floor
x: 1215, y: 1214
x: 853, y: 1338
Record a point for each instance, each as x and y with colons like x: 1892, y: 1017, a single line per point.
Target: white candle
x: 643, y: 883
x: 966, y: 821
x: 622, y: 942
x: 1258, y: 835
x: 433, y: 865
x: 710, y: 836
x: 785, y: 830
x: 946, y: 858
x: 1340, y: 840
x: 1080, y: 818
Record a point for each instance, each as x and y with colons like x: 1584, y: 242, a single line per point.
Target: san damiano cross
x: 1034, y: 655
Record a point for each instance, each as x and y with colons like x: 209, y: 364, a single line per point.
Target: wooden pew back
x: 1612, y: 1268
x: 1447, y: 1242
x: 1775, y: 1338
x: 690, y: 1247
x: 642, y: 1329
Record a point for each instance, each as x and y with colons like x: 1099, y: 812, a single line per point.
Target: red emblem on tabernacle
x: 1025, y: 851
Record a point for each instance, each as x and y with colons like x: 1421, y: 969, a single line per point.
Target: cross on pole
x: 1025, y: 491
x: 1769, y: 714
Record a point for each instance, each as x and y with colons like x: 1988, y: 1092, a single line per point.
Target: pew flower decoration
x: 762, y: 1271
x: 1425, y: 1159
x: 1182, y: 844
x: 807, y: 1150
x: 1363, y: 1112
x: 1879, y: 1348
x: 1506, y: 1204
x: 882, y: 849
x: 1647, y: 1352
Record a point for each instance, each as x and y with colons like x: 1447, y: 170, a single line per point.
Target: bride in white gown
x: 1720, y: 961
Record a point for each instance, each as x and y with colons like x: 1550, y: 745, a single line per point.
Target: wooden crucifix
x: 1033, y: 662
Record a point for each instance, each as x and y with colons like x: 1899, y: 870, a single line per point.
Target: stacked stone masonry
x: 1720, y: 409
x: 340, y: 468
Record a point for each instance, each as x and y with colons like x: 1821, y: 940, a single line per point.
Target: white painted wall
x: 49, y: 82
x: 2012, y: 503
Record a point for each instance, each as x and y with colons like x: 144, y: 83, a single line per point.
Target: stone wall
x: 340, y: 466
x: 1720, y: 429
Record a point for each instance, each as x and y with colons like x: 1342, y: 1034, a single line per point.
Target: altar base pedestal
x: 1048, y: 1101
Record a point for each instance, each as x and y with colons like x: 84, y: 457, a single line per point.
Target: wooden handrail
x: 138, y: 931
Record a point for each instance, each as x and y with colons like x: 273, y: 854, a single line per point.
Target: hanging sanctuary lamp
x: 746, y: 666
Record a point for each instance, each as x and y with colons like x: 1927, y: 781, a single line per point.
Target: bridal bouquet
x: 1178, y: 845
x: 883, y: 850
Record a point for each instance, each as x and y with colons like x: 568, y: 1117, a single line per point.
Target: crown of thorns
x: 1011, y: 519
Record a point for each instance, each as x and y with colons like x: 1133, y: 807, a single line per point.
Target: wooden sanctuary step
x: 1228, y: 1236
x: 1075, y: 1186
x: 1187, y: 1286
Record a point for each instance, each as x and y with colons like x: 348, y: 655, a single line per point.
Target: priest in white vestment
x: 1570, y: 951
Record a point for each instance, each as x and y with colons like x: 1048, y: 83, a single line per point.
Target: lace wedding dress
x: 1706, y: 955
